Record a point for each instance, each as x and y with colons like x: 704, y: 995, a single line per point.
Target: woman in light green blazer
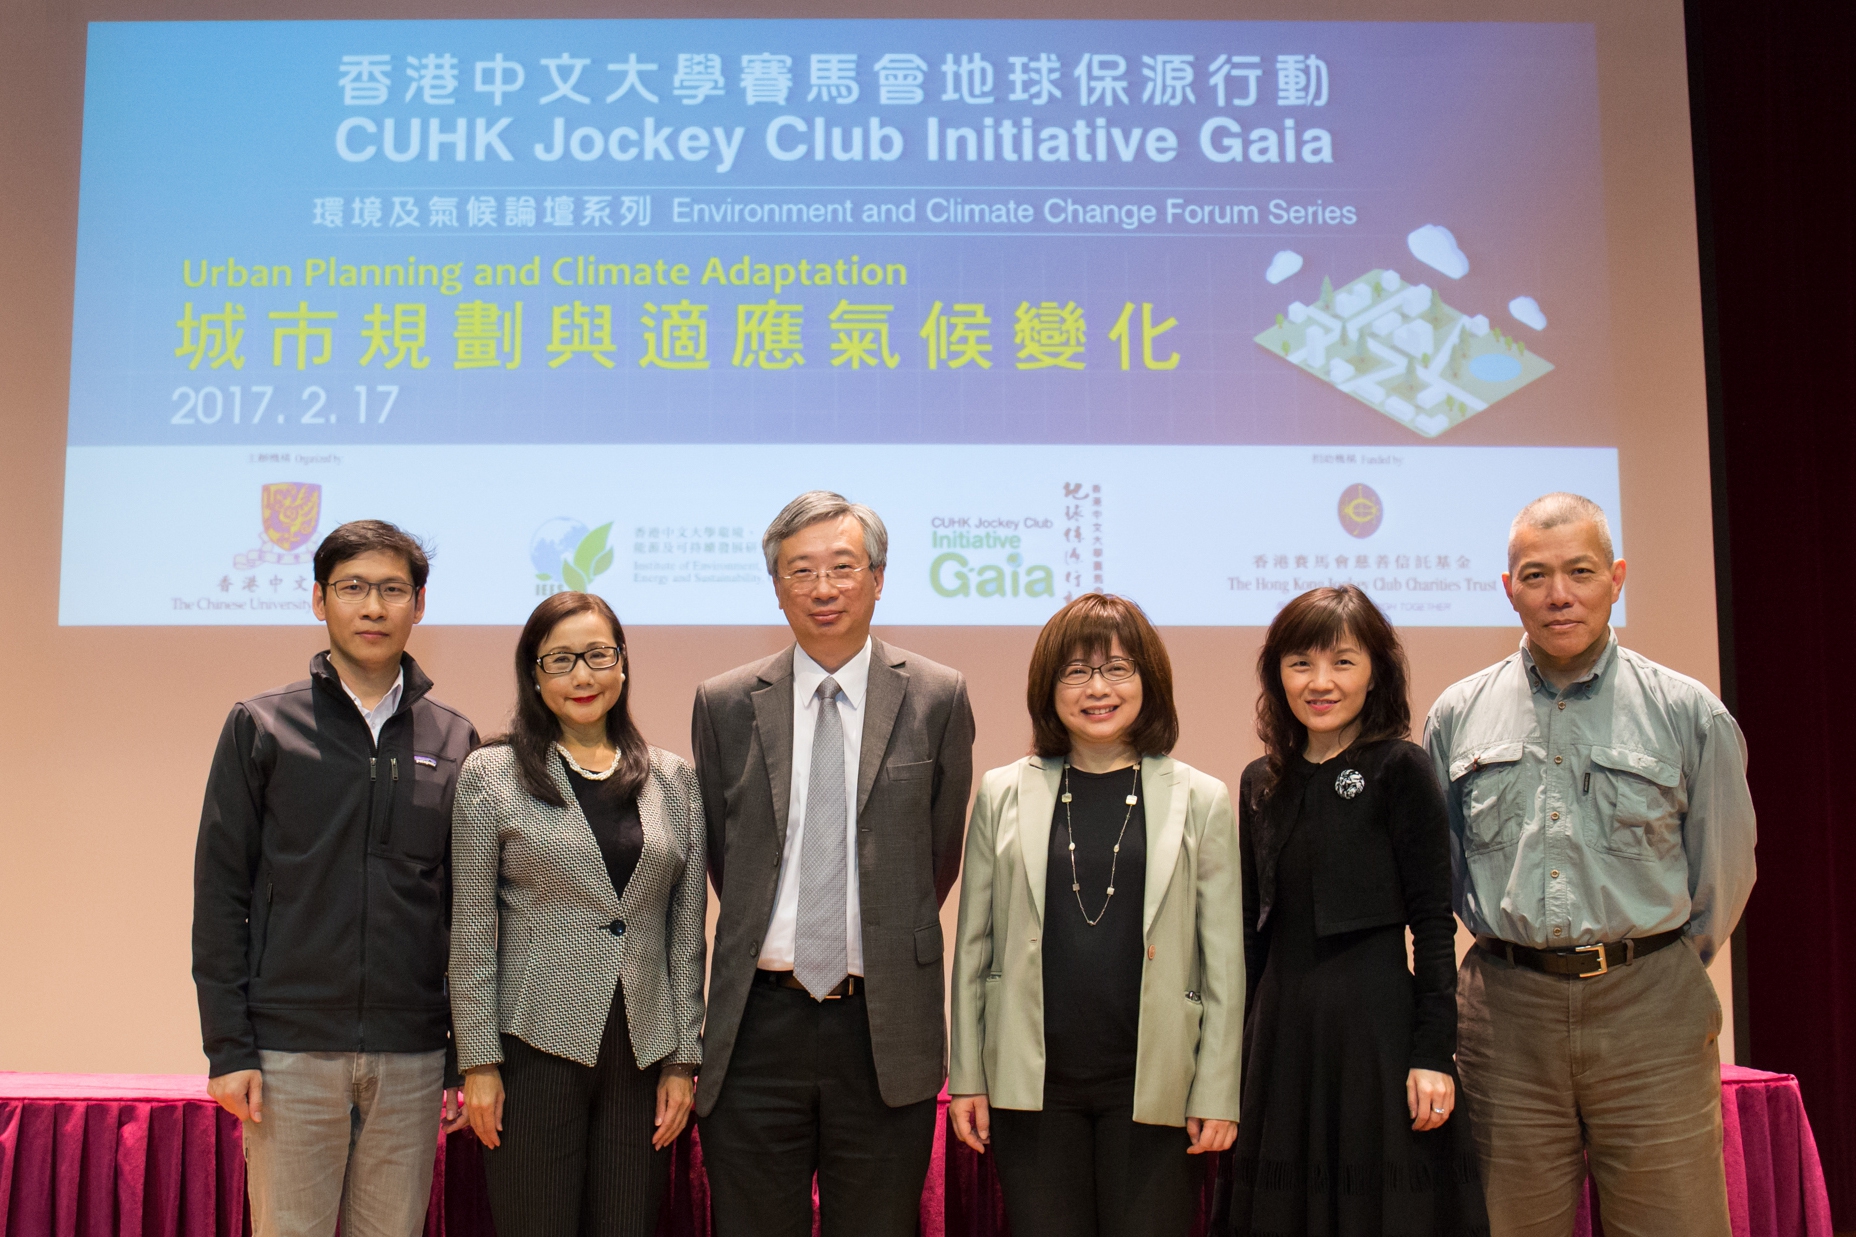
x: 1098, y: 973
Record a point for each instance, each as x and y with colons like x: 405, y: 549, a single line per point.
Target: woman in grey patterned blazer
x: 576, y: 939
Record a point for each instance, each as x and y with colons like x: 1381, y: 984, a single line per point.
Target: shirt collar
x: 1589, y: 680
x: 389, y: 703
x: 853, y: 676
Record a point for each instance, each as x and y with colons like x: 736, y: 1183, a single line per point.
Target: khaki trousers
x: 344, y: 1133
x: 1620, y: 1071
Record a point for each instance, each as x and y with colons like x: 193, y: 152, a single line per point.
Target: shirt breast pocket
x: 1484, y: 780
x: 1637, y: 801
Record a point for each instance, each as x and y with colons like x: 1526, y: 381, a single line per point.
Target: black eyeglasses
x: 354, y: 590
x: 1114, y: 670
x: 599, y: 657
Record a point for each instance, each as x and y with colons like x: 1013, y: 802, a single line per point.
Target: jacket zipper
x: 393, y: 789
x: 367, y: 841
x: 373, y: 776
x: 373, y: 779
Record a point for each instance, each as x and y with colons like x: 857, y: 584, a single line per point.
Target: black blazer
x: 1384, y: 859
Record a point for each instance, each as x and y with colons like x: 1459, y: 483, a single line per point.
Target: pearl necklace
x: 586, y: 773
x: 1076, y: 883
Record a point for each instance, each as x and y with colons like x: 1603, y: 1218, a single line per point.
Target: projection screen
x: 1208, y: 313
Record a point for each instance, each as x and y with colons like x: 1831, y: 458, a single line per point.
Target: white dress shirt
x: 388, y: 704
x: 776, y: 950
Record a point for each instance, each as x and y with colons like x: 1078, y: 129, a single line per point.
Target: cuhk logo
x: 1361, y: 511
x: 566, y: 555
x: 289, y: 512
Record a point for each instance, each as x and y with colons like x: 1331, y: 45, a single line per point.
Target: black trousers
x: 801, y: 1098
x: 576, y: 1159
x: 1083, y: 1167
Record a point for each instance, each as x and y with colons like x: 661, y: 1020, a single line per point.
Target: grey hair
x: 816, y: 506
x: 1554, y: 510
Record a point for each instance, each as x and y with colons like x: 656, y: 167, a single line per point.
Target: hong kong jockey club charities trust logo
x: 1361, y: 511
x: 289, y: 512
x: 567, y: 556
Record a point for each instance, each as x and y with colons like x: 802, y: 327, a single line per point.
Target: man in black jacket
x: 321, y: 898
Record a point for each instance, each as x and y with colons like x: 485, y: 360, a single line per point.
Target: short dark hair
x: 1322, y: 618
x: 358, y: 537
x: 1089, y: 626
x: 534, y: 728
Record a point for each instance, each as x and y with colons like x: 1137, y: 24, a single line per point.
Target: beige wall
x: 106, y: 732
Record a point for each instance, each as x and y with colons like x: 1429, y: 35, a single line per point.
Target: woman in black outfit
x: 1349, y: 1076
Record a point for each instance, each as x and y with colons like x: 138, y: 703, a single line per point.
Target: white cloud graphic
x: 1434, y: 246
x: 1284, y: 264
x: 1526, y: 310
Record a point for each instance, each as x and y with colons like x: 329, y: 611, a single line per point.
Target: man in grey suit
x: 834, y: 780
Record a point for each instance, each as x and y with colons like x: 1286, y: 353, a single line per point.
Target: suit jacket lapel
x: 882, y: 702
x: 1167, y: 798
x: 1038, y: 779
x: 773, y: 721
x: 656, y: 836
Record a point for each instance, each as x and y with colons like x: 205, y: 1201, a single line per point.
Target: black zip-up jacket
x: 322, y: 877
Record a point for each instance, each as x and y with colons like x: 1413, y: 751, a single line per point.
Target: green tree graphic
x: 590, y: 559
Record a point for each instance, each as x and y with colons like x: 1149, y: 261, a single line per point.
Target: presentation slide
x: 1205, y: 313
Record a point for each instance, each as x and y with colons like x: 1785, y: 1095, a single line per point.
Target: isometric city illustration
x: 1399, y: 348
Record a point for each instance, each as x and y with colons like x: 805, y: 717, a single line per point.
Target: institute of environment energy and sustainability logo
x: 289, y: 512
x: 566, y: 555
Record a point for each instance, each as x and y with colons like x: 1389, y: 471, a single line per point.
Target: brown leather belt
x: 1581, y: 961
x: 850, y: 985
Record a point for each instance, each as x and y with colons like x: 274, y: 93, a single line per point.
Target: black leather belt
x: 1581, y: 961
x: 850, y: 985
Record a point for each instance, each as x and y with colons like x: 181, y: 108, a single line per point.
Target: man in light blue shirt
x: 1602, y: 844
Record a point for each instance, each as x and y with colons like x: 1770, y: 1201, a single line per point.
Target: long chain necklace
x: 1069, y: 829
x: 584, y: 772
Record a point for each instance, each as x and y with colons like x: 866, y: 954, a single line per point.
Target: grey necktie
x: 821, y: 951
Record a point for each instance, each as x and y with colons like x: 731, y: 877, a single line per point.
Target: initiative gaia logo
x: 967, y: 542
x: 953, y: 575
x: 288, y: 512
x: 567, y: 556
